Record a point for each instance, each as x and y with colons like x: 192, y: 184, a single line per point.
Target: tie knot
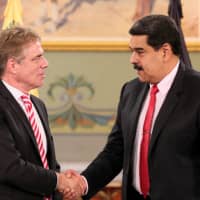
x: 27, y: 102
x: 154, y: 89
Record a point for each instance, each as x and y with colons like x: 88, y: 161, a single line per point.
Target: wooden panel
x: 110, y: 192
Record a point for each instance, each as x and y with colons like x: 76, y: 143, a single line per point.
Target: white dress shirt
x: 163, y: 86
x: 17, y: 95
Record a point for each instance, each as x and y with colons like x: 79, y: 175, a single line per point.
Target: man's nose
x: 134, y: 58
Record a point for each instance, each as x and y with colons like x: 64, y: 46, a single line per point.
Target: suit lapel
x: 135, y: 112
x: 167, y: 108
x: 16, y: 111
x: 134, y: 116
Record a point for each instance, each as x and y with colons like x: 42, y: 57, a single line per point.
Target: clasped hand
x: 71, y: 184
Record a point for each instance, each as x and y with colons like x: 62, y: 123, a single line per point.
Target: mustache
x: 137, y: 67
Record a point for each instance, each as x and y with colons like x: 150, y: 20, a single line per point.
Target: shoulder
x: 190, y: 84
x: 37, y: 100
x: 132, y: 89
x: 134, y: 85
x: 192, y: 76
x: 38, y: 103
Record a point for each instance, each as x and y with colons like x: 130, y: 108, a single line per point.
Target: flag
x: 35, y: 92
x: 176, y: 13
x: 12, y: 17
x: 12, y: 14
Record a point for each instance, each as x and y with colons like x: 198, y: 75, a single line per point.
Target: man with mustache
x: 156, y: 136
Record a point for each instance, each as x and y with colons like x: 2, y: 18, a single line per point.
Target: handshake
x: 71, y: 184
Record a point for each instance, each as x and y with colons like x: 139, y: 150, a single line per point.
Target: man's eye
x: 37, y: 58
x: 140, y: 52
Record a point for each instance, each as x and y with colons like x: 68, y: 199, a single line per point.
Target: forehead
x: 33, y: 47
x: 138, y: 41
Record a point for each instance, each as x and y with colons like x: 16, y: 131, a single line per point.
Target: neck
x: 15, y: 84
x: 169, y: 66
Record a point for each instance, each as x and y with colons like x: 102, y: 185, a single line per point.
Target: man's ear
x: 166, y: 51
x: 11, y: 65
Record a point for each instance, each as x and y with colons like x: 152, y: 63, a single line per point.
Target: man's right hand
x: 71, y: 184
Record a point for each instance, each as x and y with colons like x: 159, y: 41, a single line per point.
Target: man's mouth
x: 137, y: 67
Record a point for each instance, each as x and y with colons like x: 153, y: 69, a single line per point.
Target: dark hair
x: 12, y: 42
x: 159, y: 29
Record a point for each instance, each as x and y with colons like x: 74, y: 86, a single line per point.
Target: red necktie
x: 31, y: 116
x: 144, y: 171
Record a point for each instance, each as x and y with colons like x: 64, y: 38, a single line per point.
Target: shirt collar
x: 14, y: 91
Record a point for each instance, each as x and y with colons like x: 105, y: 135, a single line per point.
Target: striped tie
x: 31, y: 116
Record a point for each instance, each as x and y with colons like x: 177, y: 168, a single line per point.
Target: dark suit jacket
x: 22, y: 176
x: 174, y: 152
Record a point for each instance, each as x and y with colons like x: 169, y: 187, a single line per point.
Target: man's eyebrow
x: 37, y: 56
x: 136, y: 49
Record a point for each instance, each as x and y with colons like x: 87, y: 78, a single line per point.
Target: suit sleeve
x: 109, y: 162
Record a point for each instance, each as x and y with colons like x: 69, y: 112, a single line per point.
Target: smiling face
x: 28, y: 70
x: 150, y: 61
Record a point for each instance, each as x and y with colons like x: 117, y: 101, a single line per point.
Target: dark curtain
x: 175, y: 12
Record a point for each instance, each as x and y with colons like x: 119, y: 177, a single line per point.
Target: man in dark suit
x: 28, y: 169
x: 173, y: 154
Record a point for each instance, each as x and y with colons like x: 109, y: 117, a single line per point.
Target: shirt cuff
x: 86, y: 185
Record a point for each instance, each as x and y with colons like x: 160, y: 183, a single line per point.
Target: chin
x: 40, y: 83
